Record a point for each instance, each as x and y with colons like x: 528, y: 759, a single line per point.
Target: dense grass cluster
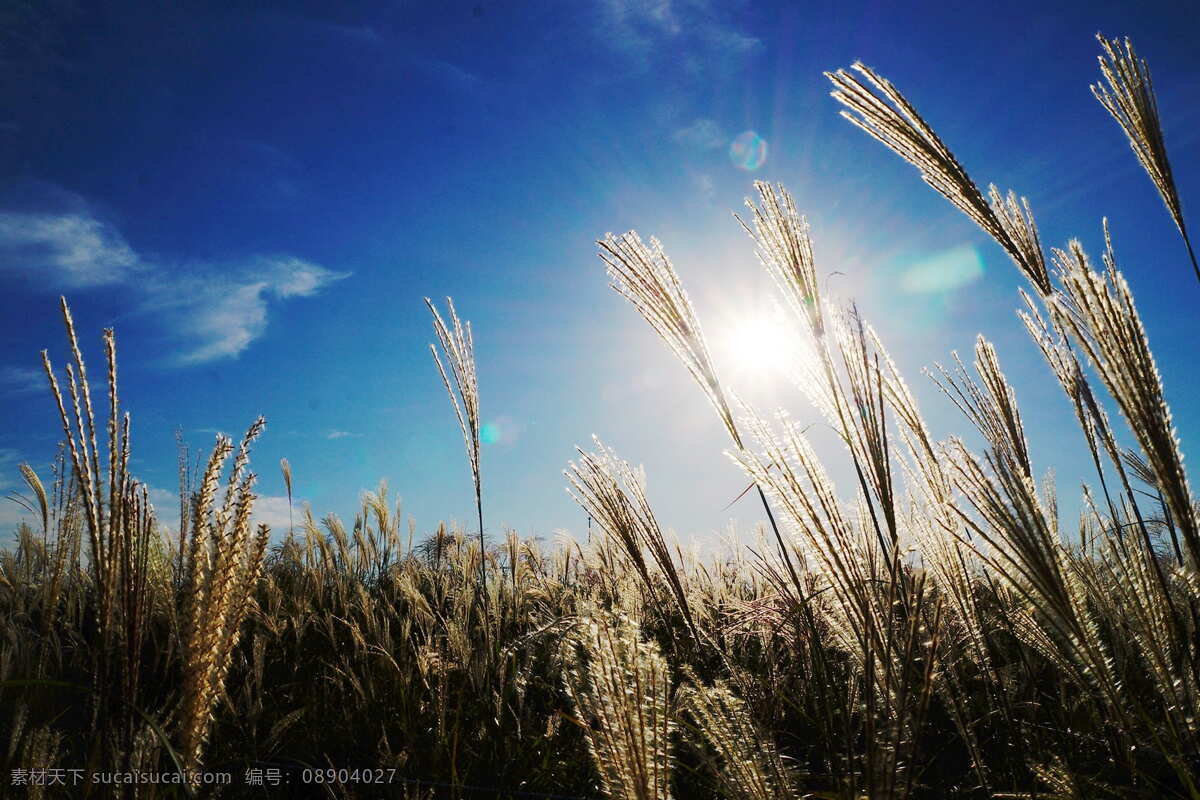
x: 932, y: 630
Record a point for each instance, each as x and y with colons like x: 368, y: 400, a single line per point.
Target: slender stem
x: 487, y: 615
x: 787, y: 559
x: 1187, y: 242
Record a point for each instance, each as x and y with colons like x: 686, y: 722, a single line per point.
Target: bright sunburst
x: 759, y: 347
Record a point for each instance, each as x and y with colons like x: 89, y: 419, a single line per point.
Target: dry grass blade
x: 226, y: 560
x: 1099, y: 312
x: 1129, y: 98
x: 620, y: 684
x: 883, y: 112
x: 614, y: 494
x: 785, y: 249
x: 749, y: 764
x: 35, y: 485
x: 459, y: 347
x: 646, y: 278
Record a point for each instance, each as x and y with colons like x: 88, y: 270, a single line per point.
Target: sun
x: 759, y: 346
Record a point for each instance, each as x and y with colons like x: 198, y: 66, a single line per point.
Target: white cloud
x: 455, y: 76
x: 217, y: 313
x: 336, y: 434
x: 639, y: 27
x: 220, y: 315
x: 654, y: 14
x: 291, y: 277
x: 218, y: 318
x: 68, y: 250
x: 214, y: 311
x: 23, y: 380
x: 11, y: 516
x: 10, y: 476
x: 273, y: 510
x: 702, y: 133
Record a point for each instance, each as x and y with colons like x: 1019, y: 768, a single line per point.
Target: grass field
x: 933, y: 629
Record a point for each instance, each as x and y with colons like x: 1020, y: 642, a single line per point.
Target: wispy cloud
x: 705, y: 134
x: 704, y: 185
x: 336, y: 434
x: 213, y: 311
x: 219, y: 316
x: 728, y: 40
x: 451, y: 74
x: 639, y: 27
x: 70, y: 250
x: 367, y: 39
x: 16, y: 380
x: 9, y: 476
x: 296, y: 24
x: 22, y: 380
x: 634, y: 22
x: 356, y: 34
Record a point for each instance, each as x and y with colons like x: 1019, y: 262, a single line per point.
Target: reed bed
x: 932, y: 629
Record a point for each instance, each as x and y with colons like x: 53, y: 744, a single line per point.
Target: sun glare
x: 760, y: 346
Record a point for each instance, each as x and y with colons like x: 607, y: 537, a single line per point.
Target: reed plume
x: 748, y: 763
x: 620, y: 684
x: 614, y: 494
x: 647, y: 279
x: 878, y: 108
x: 121, y: 529
x: 785, y: 250
x: 1099, y: 312
x: 225, y: 561
x: 1129, y: 98
x: 459, y: 348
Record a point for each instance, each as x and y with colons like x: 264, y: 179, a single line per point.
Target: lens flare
x: 943, y: 272
x: 489, y: 433
x: 748, y: 151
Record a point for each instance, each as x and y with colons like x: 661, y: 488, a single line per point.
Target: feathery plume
x: 785, y: 249
x: 614, y: 494
x: 749, y: 765
x: 459, y: 348
x: 1129, y: 98
x: 223, y: 569
x: 882, y: 111
x: 646, y: 278
x: 621, y: 684
x: 1099, y: 312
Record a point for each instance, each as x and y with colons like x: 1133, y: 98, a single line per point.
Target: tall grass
x: 933, y: 628
x: 458, y: 345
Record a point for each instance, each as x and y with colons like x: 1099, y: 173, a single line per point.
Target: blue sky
x: 257, y: 196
